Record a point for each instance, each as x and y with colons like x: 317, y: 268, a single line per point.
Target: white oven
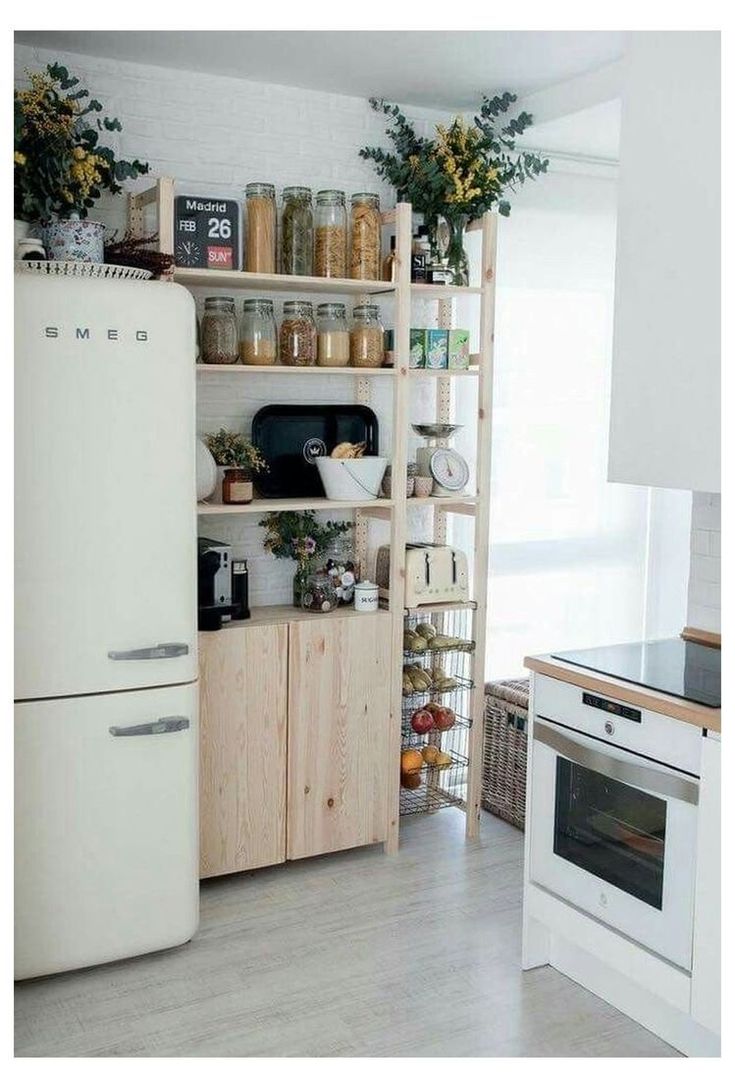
x: 614, y: 795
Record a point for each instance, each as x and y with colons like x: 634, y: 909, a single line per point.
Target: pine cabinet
x: 339, y: 756
x: 295, y: 749
x: 242, y: 764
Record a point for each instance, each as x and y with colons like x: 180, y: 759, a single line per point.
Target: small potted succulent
x: 239, y: 458
x: 61, y: 168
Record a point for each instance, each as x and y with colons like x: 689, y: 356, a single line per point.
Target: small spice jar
x: 366, y: 597
x: 237, y: 486
x: 365, y: 237
x: 367, y: 338
x: 332, y: 335
x: 297, y: 232
x: 330, y: 234
x: 258, y: 335
x: 219, y: 331
x: 319, y: 594
x: 260, y: 238
x: 297, y: 341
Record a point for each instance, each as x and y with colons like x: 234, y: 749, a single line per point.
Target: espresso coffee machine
x: 222, y: 585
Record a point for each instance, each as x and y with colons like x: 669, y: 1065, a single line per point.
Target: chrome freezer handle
x: 151, y: 653
x: 147, y: 729
x: 632, y: 774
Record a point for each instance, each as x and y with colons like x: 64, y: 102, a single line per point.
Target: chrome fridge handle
x: 632, y: 774
x: 147, y: 729
x: 151, y: 653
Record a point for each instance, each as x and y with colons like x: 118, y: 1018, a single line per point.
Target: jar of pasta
x: 258, y: 337
x: 297, y: 342
x: 260, y: 233
x: 332, y: 335
x: 297, y: 232
x: 367, y: 346
x: 330, y: 234
x: 219, y: 330
x: 365, y: 237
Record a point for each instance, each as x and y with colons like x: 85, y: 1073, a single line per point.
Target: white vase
x: 206, y: 471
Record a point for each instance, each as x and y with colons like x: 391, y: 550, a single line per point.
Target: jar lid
x: 366, y: 585
x: 297, y: 190
x: 365, y: 198
x: 331, y: 309
x: 330, y: 196
x: 260, y: 188
x: 294, y: 305
x: 256, y: 303
x: 220, y: 300
x: 366, y: 310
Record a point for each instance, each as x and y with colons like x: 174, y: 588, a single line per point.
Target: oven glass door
x: 614, y: 834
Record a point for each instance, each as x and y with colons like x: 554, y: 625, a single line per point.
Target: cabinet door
x: 706, y: 968
x: 339, y: 757
x: 242, y: 766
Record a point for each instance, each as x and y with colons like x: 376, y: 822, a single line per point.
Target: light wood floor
x: 355, y: 954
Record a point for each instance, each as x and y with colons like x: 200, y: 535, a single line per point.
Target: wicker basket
x: 504, y: 758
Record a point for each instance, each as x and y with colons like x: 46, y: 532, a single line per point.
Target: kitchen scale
x: 448, y: 469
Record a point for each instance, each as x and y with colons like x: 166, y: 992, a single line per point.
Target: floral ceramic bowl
x: 74, y: 240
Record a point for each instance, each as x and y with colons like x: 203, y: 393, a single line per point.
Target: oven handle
x: 632, y: 774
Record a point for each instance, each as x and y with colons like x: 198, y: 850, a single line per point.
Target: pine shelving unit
x: 466, y: 766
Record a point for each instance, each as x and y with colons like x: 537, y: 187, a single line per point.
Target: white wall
x: 704, y: 576
x: 665, y: 411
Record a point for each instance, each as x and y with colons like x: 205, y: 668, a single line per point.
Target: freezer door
x: 105, y: 519
x: 106, y: 840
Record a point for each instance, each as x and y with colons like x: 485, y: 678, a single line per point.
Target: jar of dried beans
x: 367, y: 347
x: 297, y: 342
x: 219, y: 331
x: 258, y: 337
x: 260, y: 234
x: 297, y: 232
x: 330, y: 234
x: 332, y: 335
x: 365, y: 237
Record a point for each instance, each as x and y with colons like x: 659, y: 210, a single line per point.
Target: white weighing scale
x: 448, y: 469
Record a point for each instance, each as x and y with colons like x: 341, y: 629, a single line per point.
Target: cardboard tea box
x: 436, y: 349
x: 458, y: 349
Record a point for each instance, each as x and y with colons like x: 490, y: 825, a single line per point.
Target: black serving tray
x: 290, y: 436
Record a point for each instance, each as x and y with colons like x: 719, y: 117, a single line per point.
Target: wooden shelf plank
x: 440, y: 290
x: 345, y: 371
x: 266, y: 615
x: 462, y: 504
x: 419, y: 371
x: 264, y: 506
x: 294, y: 285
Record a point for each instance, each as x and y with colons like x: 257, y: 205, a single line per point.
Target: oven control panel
x: 609, y: 707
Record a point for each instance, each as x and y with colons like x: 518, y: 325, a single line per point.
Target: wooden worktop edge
x: 702, y: 717
x: 705, y: 638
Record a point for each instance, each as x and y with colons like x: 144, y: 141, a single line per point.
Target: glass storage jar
x: 330, y: 234
x: 297, y: 232
x: 219, y: 330
x: 258, y: 336
x: 237, y: 486
x: 332, y: 335
x: 297, y: 341
x: 365, y: 237
x: 341, y: 567
x: 319, y: 594
x: 367, y: 339
x: 260, y: 233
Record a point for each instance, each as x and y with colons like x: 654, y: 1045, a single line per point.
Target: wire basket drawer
x: 505, y: 747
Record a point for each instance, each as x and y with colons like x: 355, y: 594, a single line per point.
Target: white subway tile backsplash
x: 704, y: 574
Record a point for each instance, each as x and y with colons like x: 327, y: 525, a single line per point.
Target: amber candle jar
x: 237, y: 486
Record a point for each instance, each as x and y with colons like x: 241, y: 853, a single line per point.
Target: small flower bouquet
x: 299, y: 536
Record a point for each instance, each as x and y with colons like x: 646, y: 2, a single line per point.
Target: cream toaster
x: 435, y: 574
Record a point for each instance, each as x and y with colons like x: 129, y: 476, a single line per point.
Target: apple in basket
x: 443, y: 716
x: 422, y: 721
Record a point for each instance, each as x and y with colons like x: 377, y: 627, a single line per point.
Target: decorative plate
x: 82, y: 268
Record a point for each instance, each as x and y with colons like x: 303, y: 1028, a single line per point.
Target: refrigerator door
x: 106, y: 841
x: 105, y: 520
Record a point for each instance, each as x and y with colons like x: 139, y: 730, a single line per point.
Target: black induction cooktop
x: 671, y: 665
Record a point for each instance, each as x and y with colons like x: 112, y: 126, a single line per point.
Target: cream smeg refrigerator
x: 106, y: 850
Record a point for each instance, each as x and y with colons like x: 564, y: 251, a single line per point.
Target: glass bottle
x: 219, y: 330
x: 389, y: 264
x: 365, y: 237
x: 258, y: 335
x: 260, y: 235
x: 330, y: 234
x: 367, y: 338
x: 297, y: 232
x: 297, y: 340
x: 332, y: 334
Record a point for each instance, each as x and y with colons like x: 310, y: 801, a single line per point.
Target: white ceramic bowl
x: 351, y: 477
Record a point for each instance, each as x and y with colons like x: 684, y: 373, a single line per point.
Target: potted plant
x: 299, y: 536
x: 61, y: 169
x: 462, y: 172
x: 239, y: 458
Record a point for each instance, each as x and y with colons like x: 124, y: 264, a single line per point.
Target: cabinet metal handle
x: 147, y: 729
x: 632, y: 774
x: 151, y: 653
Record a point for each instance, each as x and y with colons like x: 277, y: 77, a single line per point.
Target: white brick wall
x: 214, y: 135
x: 704, y: 574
